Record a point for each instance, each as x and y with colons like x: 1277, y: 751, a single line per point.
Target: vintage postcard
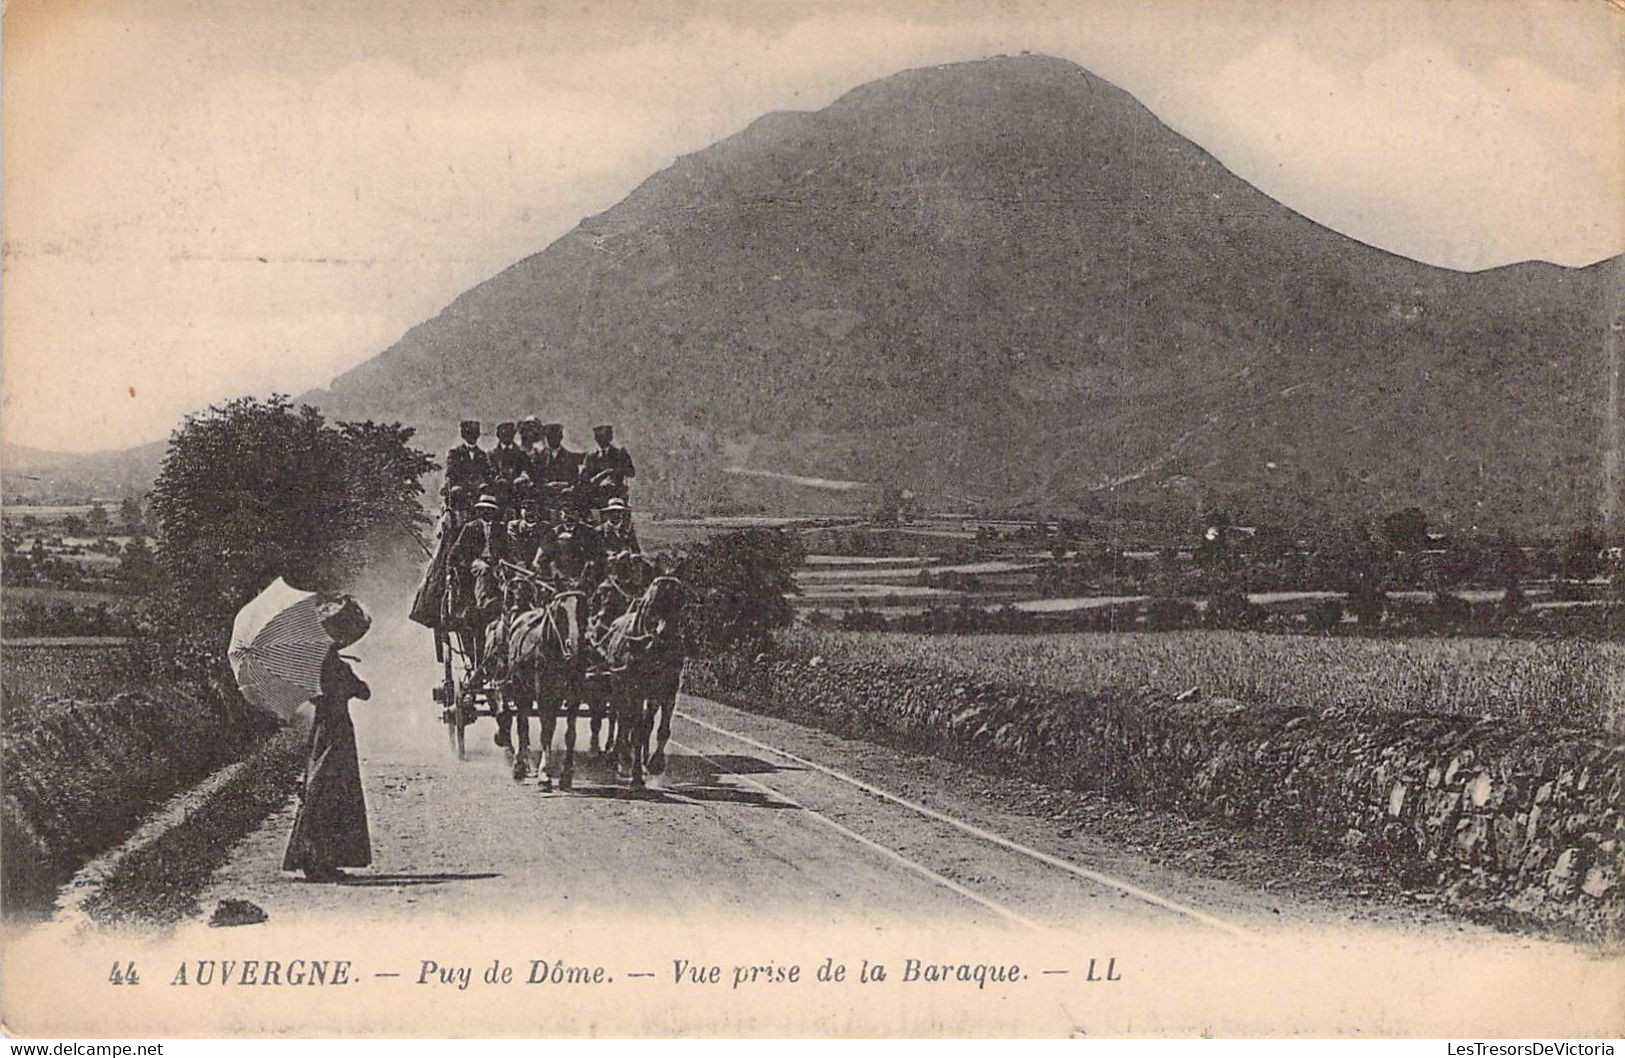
x: 930, y: 519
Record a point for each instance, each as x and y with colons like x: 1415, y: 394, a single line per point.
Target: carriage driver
x: 528, y: 535
x: 475, y: 561
x: 611, y: 597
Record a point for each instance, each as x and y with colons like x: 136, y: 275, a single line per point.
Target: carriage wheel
x: 451, y: 697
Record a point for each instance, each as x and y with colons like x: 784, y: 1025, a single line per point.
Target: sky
x: 207, y: 198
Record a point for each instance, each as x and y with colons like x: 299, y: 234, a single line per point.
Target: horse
x: 544, y: 670
x: 644, y: 651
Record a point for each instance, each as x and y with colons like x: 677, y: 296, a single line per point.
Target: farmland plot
x: 1565, y: 682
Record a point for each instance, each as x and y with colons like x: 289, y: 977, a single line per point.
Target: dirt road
x: 768, y: 845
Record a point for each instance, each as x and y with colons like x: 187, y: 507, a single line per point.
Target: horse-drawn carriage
x: 557, y: 647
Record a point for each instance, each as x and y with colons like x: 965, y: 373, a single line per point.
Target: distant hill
x: 1007, y: 282
x: 115, y: 473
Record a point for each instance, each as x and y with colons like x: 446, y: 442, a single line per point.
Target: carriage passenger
x: 468, y: 466
x: 615, y: 527
x: 508, y: 461
x: 555, y: 469
x: 606, y: 469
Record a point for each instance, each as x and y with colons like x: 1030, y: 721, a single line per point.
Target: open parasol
x: 280, y: 640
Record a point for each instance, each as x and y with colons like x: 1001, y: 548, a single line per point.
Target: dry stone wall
x: 1501, y: 816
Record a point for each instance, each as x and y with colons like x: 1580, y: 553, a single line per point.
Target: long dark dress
x: 331, y: 827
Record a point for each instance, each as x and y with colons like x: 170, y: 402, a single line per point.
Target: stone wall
x: 1500, y: 816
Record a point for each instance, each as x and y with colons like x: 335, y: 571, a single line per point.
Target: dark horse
x: 545, y: 665
x: 644, y: 651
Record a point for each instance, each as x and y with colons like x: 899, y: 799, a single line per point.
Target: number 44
x: 124, y: 975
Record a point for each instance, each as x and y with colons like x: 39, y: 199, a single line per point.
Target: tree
x: 252, y: 490
x: 1582, y: 559
x: 1508, y: 559
x: 98, y: 521
x: 130, y: 516
x: 1407, y: 530
x: 138, y: 569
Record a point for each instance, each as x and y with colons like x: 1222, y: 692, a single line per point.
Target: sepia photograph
x: 911, y: 519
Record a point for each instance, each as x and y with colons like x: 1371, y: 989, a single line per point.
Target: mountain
x: 35, y: 473
x: 1008, y: 282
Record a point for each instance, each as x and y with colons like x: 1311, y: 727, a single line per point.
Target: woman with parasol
x: 285, y: 651
x: 330, y: 831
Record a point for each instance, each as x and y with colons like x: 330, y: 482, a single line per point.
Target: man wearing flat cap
x: 554, y: 468
x: 530, y: 434
x: 508, y: 461
x: 468, y: 466
x: 606, y: 469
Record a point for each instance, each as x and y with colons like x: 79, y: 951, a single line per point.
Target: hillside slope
x: 1008, y: 279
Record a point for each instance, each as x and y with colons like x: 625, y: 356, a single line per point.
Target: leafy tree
x: 251, y: 490
x: 138, y: 569
x: 130, y: 516
x: 97, y: 520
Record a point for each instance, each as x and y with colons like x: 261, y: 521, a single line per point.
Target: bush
x: 741, y: 581
x: 1163, y: 615
x: 1325, y: 615
x: 1450, y: 608
x: 1231, y: 609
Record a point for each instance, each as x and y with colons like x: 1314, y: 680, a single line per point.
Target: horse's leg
x: 547, y: 712
x: 595, y: 713
x: 666, y: 695
x: 617, y: 707
x: 572, y: 701
x: 641, y: 732
x: 629, y: 721
x: 521, y: 713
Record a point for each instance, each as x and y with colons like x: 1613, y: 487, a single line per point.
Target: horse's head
x: 664, y: 602
x: 519, y: 593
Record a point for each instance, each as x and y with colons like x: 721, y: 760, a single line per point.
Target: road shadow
x: 688, y: 779
x: 404, y: 879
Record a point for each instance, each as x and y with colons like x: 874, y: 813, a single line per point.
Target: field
x: 60, y: 597
x: 73, y: 668
x: 1567, y: 682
